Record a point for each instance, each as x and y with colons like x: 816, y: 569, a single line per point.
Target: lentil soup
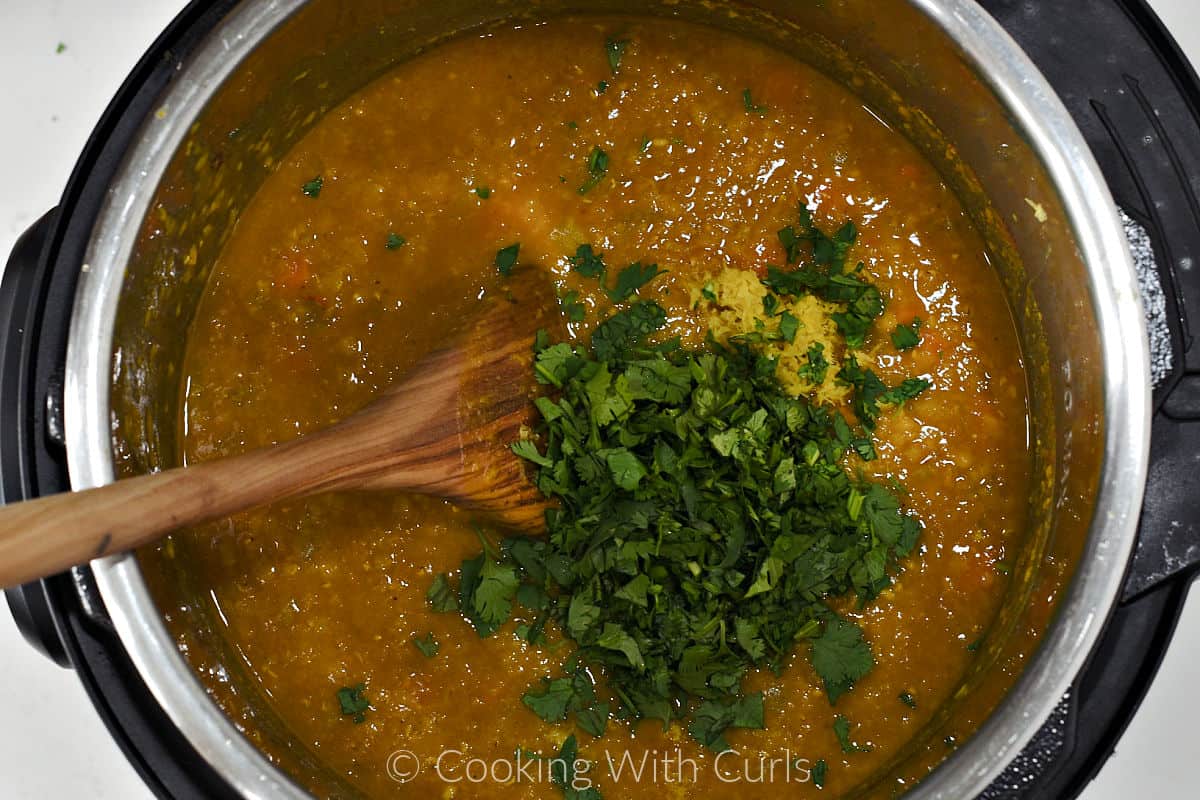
x: 378, y: 235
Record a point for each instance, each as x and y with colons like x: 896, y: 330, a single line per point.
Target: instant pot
x: 102, y: 273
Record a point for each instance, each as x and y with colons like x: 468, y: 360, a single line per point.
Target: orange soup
x: 654, y: 142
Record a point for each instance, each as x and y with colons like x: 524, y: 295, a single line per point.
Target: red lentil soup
x: 330, y: 289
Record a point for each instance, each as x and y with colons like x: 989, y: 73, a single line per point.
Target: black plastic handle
x: 1169, y: 536
x: 21, y: 303
x: 1140, y: 114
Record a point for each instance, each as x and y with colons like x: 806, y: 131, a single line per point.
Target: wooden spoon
x: 443, y: 430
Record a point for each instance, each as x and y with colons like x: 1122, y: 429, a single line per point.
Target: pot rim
x: 1040, y: 117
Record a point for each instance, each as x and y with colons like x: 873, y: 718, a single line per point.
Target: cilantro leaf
x: 556, y: 364
x: 749, y: 104
x: 597, y: 168
x: 841, y: 729
x: 627, y: 328
x: 636, y: 590
x: 820, y: 772
x: 788, y: 326
x: 573, y: 310
x: 440, y: 596
x: 906, y: 337
x: 506, y: 258
x: 528, y: 451
x: 712, y: 719
x: 428, y: 645
x: 558, y: 697
x: 565, y: 769
x: 817, y: 367
x: 353, y: 702
x: 854, y: 327
x: 550, y: 703
x: 627, y: 471
x: 587, y: 262
x: 394, y: 241
x: 841, y: 657
x: 495, y: 592
x: 615, y: 50
x: 582, y: 616
x: 748, y: 638
x: 593, y: 720
x: 313, y: 187
x: 613, y: 637
x: 910, y: 388
x: 632, y: 278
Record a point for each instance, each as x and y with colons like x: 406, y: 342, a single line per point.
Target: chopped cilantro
x: 788, y: 326
x: 428, y: 645
x: 573, y: 310
x: 615, y: 50
x: 590, y: 264
x: 313, y: 188
x: 601, y: 87
x: 907, y: 390
x: 908, y: 699
x: 820, y: 772
x: 61, y: 48
x: 828, y: 252
x: 703, y: 519
x: 841, y: 656
x: 749, y: 104
x: 593, y: 720
x: 495, y: 591
x: 587, y: 262
x: 680, y: 503
x: 528, y: 451
x: 627, y: 328
x: 486, y: 590
x: 906, y: 337
x: 597, y: 168
x: 353, y: 702
x: 506, y: 258
x: 841, y: 729
x: 632, y: 278
x: 554, y: 700
x: 815, y: 370
x: 870, y: 391
x: 564, y: 772
x: 713, y: 718
x: 482, y: 192
x: 627, y: 471
x: 441, y: 596
x: 823, y: 273
x: 394, y: 241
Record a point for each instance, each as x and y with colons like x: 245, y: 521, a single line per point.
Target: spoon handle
x: 50, y: 534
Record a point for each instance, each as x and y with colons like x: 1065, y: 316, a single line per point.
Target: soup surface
x: 371, y: 244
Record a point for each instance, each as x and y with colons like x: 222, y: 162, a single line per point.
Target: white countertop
x: 52, y: 743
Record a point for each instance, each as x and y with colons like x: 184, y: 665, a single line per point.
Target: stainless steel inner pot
x: 942, y: 71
